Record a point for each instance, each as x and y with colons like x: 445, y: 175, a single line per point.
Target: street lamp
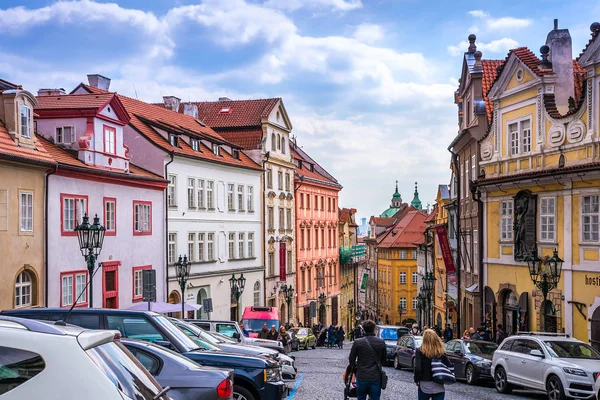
x: 288, y: 291
x: 545, y: 274
x: 358, y: 312
x: 182, y: 270
x: 428, y: 286
x: 350, y: 308
x: 237, y: 286
x: 90, y: 238
x: 400, y: 311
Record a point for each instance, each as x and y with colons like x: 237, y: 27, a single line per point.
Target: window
x: 281, y: 218
x: 287, y: 181
x: 273, y: 142
x: 590, y: 215
x: 283, y: 144
x: 316, y: 238
x: 506, y: 224
x: 191, y: 192
x: 271, y: 264
x: 194, y: 144
x: 216, y: 149
x: 402, y: 277
x: 278, y: 142
x: 257, y: 294
x: 23, y: 290
x: 307, y: 201
x: 110, y: 137
x: 473, y: 167
x: 210, y: 246
x: 308, y: 232
x: 110, y: 213
x: 241, y: 244
x: 173, y: 139
x: 250, y: 197
x: 191, y: 247
x: 403, y: 303
x: 309, y: 280
x: 201, y: 246
x: 526, y: 135
x: 475, y: 252
x: 240, y: 189
x: 25, y: 113
x: 466, y: 178
x: 415, y: 277
x: 270, y: 218
x: 172, y: 191
x: 269, y: 178
x: 210, y: 198
x: 200, y: 193
x: 414, y: 254
x: 230, y: 203
x: 403, y: 254
x: 231, y: 246
x: 316, y: 202
x: 547, y: 219
x: 462, y: 181
x: 289, y: 261
x: 3, y: 210
x: 322, y: 203
x: 138, y: 282
x: 26, y: 208
x: 142, y: 218
x: 73, y: 287
x: 415, y: 303
x: 520, y: 137
x: 18, y: 366
x: 65, y: 134
x: 468, y: 255
x: 279, y: 180
x: 74, y: 207
x: 322, y: 238
x: 290, y: 223
x: 302, y: 239
x: 334, y: 207
x: 303, y: 281
x: 172, y: 248
x: 250, y: 244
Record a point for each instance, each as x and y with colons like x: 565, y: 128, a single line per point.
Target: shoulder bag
x: 442, y: 373
x: 384, y: 377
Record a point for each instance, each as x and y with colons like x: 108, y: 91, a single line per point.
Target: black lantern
x: 400, y: 311
x: 545, y: 274
x: 237, y: 286
x: 91, y: 238
x: 288, y: 292
x: 182, y: 271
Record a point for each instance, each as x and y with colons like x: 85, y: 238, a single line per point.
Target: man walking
x: 367, y: 355
x: 448, y: 333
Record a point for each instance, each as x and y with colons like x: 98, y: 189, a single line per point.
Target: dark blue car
x: 472, y: 359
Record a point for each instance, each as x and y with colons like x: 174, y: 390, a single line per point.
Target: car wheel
x: 501, y: 382
x: 314, y: 346
x: 396, y: 362
x: 241, y: 393
x: 554, y: 388
x: 470, y: 376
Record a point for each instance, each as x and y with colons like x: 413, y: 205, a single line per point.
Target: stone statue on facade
x: 524, y: 225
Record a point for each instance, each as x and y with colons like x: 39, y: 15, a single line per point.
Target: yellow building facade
x: 441, y: 313
x: 539, y: 181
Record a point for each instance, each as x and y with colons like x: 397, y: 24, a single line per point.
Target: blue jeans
x: 371, y: 388
x: 427, y: 396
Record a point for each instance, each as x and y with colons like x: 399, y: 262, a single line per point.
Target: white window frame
x: 210, y: 195
x: 25, y: 118
x: 61, y: 135
x: 194, y: 144
x: 191, y: 192
x: 110, y: 215
x: 269, y: 178
x: 216, y: 149
x: 415, y: 303
x: 279, y: 180
x: 142, y: 217
x: 201, y: 251
x: 26, y: 211
x: 547, y: 219
x: 473, y: 168
x: 200, y: 201
x: 172, y: 247
x: 250, y: 245
x: 79, y: 204
x: 402, y: 277
x: 402, y: 254
x: 467, y: 178
x: 24, y: 290
x: 210, y: 246
x: 469, y: 258
x: 241, y: 244
x: 475, y: 251
x: 192, y: 246
x: 240, y: 196
x: 231, y: 248
x: 289, y: 221
x: 403, y: 303
x: 256, y: 288
x: 172, y: 191
x: 519, y: 141
x: 270, y: 218
x: 230, y: 197
x: 281, y: 218
x: 287, y: 181
x: 506, y: 220
x: 250, y: 198
x: 593, y: 218
x: 415, y: 277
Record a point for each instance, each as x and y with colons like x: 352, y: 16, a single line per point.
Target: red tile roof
x: 239, y: 114
x: 74, y: 101
x: 345, y: 214
x: 305, y: 172
x: 10, y: 150
x: 250, y: 139
x: 490, y: 70
x: 431, y: 217
x: 406, y: 231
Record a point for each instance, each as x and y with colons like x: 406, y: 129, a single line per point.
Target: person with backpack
x: 432, y: 368
x: 366, y: 357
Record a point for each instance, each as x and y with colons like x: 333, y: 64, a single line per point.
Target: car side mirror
x: 536, y: 353
x: 163, y: 343
x: 236, y: 335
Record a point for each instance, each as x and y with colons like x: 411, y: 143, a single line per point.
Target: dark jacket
x: 263, y: 334
x: 367, y: 369
x: 273, y: 335
x: 423, y: 367
x: 500, y: 336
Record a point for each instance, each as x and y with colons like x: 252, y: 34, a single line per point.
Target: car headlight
x: 484, y: 363
x: 575, y: 371
x: 272, y: 375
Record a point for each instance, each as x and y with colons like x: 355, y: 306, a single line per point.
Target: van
x: 254, y: 318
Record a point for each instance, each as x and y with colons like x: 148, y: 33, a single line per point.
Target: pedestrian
x: 244, y: 330
x: 487, y: 336
x: 351, y: 334
x: 357, y: 332
x: 431, y: 348
x: 264, y: 332
x: 466, y: 335
x: 287, y: 326
x: 500, y: 334
x: 286, y: 340
x: 340, y: 337
x: 415, y: 330
x: 331, y: 336
x: 366, y: 357
x: 273, y: 334
x: 448, y: 336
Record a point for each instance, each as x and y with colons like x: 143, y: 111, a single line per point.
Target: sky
x: 368, y: 84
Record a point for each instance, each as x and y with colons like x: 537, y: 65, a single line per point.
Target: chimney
x: 172, y: 103
x: 224, y: 99
x: 190, y: 109
x: 561, y: 57
x: 51, y: 92
x: 99, y: 81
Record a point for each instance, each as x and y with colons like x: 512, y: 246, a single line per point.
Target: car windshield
x: 567, y: 349
x: 203, y: 340
x: 182, y: 339
x: 480, y: 348
x: 124, y: 371
x: 418, y: 343
x: 255, y: 325
x: 302, y: 331
x: 388, y: 333
x: 222, y: 338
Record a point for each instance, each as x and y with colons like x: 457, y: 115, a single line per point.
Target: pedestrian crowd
x: 331, y: 337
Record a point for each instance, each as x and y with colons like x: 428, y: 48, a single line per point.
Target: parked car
x: 389, y: 333
x: 557, y: 364
x: 597, y: 387
x: 406, y: 349
x: 233, y: 330
x: 45, y: 361
x: 472, y: 359
x: 305, y: 338
x: 254, y: 318
x: 255, y: 377
x: 187, y: 379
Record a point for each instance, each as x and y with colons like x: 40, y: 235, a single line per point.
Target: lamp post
x: 400, y: 311
x: 182, y: 270
x: 288, y: 291
x: 350, y: 308
x: 322, y: 299
x: 90, y: 238
x: 358, y: 312
x: 545, y: 274
x: 428, y: 286
x: 421, y: 304
x: 237, y: 286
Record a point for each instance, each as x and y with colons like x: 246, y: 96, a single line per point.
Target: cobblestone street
x: 320, y: 378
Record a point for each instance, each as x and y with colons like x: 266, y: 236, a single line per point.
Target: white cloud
x: 498, y: 46
x: 502, y: 23
x: 369, y: 33
x: 336, y: 5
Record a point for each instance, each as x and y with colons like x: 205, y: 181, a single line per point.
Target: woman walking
x: 432, y: 348
x: 286, y: 340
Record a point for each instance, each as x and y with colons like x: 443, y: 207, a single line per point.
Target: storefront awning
x: 473, y: 288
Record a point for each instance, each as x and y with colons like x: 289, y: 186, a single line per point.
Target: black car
x: 256, y: 377
x: 406, y: 349
x: 472, y: 359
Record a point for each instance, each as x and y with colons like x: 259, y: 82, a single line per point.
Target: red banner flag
x: 442, y: 235
x: 282, y: 264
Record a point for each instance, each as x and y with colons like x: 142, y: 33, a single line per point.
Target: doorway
x: 110, y: 284
x: 549, y: 320
x: 510, y: 308
x: 202, y: 295
x: 595, y: 325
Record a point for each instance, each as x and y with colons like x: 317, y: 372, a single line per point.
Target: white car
x: 39, y: 360
x: 597, y: 387
x: 559, y: 365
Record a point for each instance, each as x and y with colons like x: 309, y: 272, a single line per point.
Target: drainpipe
x: 52, y: 172
x: 455, y: 162
x: 263, y: 229
x: 477, y: 197
x: 171, y: 154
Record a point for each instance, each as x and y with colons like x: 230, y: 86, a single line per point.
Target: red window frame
x: 141, y: 203
x: 64, y: 196
x: 135, y: 298
x: 109, y: 266
x: 104, y: 201
x: 114, y: 131
x: 74, y: 291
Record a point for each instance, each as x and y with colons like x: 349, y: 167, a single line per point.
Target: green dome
x: 416, y: 202
x: 394, y: 206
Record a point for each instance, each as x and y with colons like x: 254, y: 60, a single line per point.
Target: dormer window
x: 225, y: 110
x: 216, y: 149
x: 25, y: 113
x: 65, y: 134
x: 300, y: 164
x: 236, y: 154
x: 110, y: 136
x: 194, y: 144
x: 173, y: 139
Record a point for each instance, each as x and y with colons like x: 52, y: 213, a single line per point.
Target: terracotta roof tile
x: 250, y: 139
x: 74, y: 101
x: 304, y: 171
x: 234, y: 113
x: 9, y: 149
x: 406, y: 231
x: 431, y: 217
x: 490, y: 70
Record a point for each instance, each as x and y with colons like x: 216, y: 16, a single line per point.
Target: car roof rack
x: 30, y: 324
x: 550, y: 334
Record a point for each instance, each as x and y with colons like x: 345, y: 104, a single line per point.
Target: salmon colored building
x: 317, y: 245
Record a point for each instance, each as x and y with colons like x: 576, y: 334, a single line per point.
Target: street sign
x: 313, y: 309
x: 207, y: 305
x: 149, y: 285
x: 363, y: 285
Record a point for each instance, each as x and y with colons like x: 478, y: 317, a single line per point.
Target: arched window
x: 257, y: 294
x: 278, y: 142
x: 283, y: 144
x: 23, y: 290
x: 273, y: 142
